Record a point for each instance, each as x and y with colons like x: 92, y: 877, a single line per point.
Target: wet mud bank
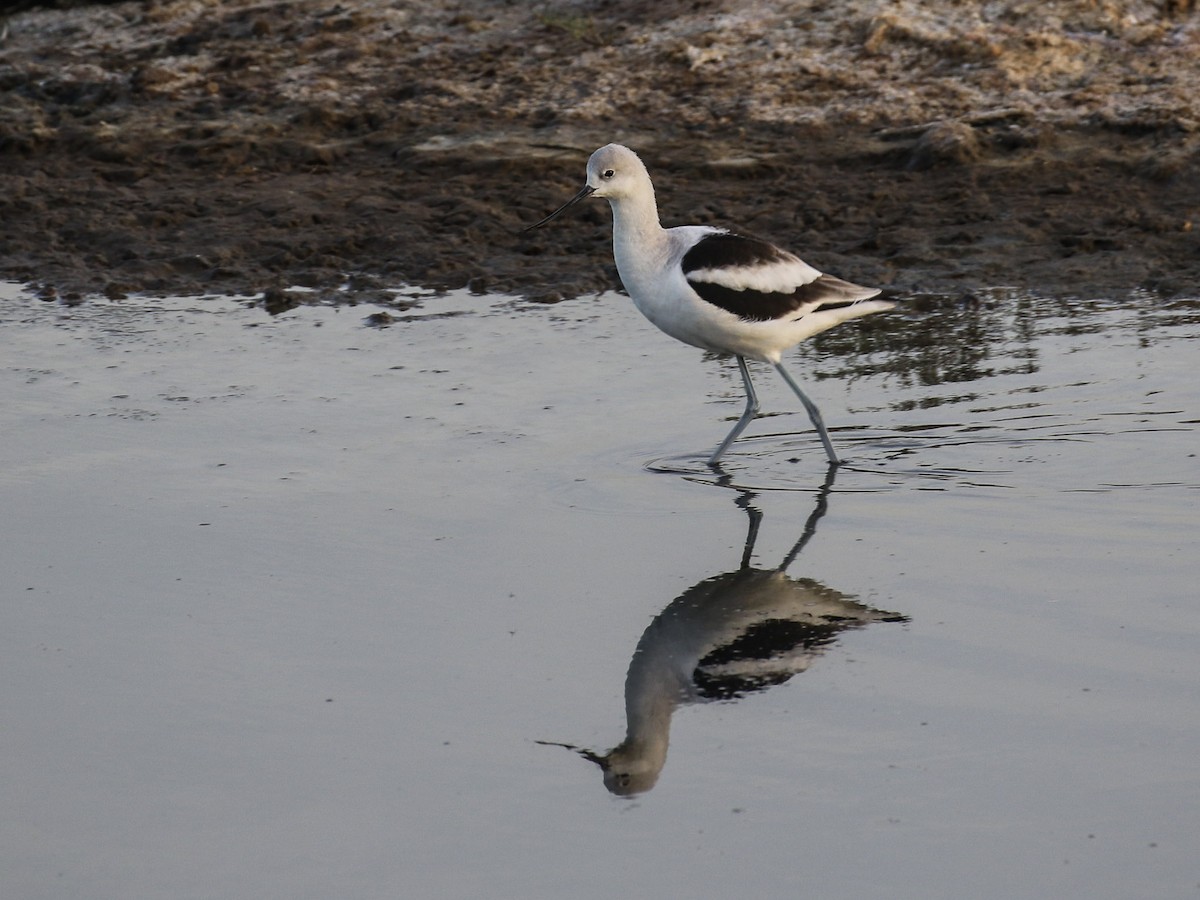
x: 250, y: 147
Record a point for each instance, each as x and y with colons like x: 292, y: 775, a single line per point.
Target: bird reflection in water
x: 727, y: 636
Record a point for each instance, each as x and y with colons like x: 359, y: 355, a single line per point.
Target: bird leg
x: 747, y: 416
x: 813, y: 413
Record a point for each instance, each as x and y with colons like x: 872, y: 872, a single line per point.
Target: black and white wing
x: 759, y: 282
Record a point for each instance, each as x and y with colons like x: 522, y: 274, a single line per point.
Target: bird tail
x: 844, y: 300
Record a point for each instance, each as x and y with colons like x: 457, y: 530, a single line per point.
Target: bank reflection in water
x: 725, y: 637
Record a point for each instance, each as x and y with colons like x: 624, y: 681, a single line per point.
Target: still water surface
x: 299, y: 607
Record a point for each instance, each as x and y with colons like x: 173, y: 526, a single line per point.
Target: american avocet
x: 716, y: 289
x: 731, y: 634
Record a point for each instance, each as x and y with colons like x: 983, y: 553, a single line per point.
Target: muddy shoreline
x: 242, y: 148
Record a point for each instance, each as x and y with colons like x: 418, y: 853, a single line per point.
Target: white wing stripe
x: 777, y: 277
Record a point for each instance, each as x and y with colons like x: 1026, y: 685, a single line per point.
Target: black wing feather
x: 722, y: 250
x: 726, y: 250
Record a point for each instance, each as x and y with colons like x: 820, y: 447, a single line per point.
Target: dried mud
x: 195, y: 146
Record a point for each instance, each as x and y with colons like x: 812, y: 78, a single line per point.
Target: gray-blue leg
x: 813, y: 413
x: 747, y: 416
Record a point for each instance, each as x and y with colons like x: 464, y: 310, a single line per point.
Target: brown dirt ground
x: 196, y: 146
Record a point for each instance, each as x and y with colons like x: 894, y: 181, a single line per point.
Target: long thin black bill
x: 586, y: 754
x: 587, y: 191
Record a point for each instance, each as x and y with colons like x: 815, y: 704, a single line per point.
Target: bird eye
x: 608, y: 173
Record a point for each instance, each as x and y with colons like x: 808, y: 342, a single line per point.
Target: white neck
x: 639, y: 241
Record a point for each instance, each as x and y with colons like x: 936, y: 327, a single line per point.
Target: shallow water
x: 299, y: 607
